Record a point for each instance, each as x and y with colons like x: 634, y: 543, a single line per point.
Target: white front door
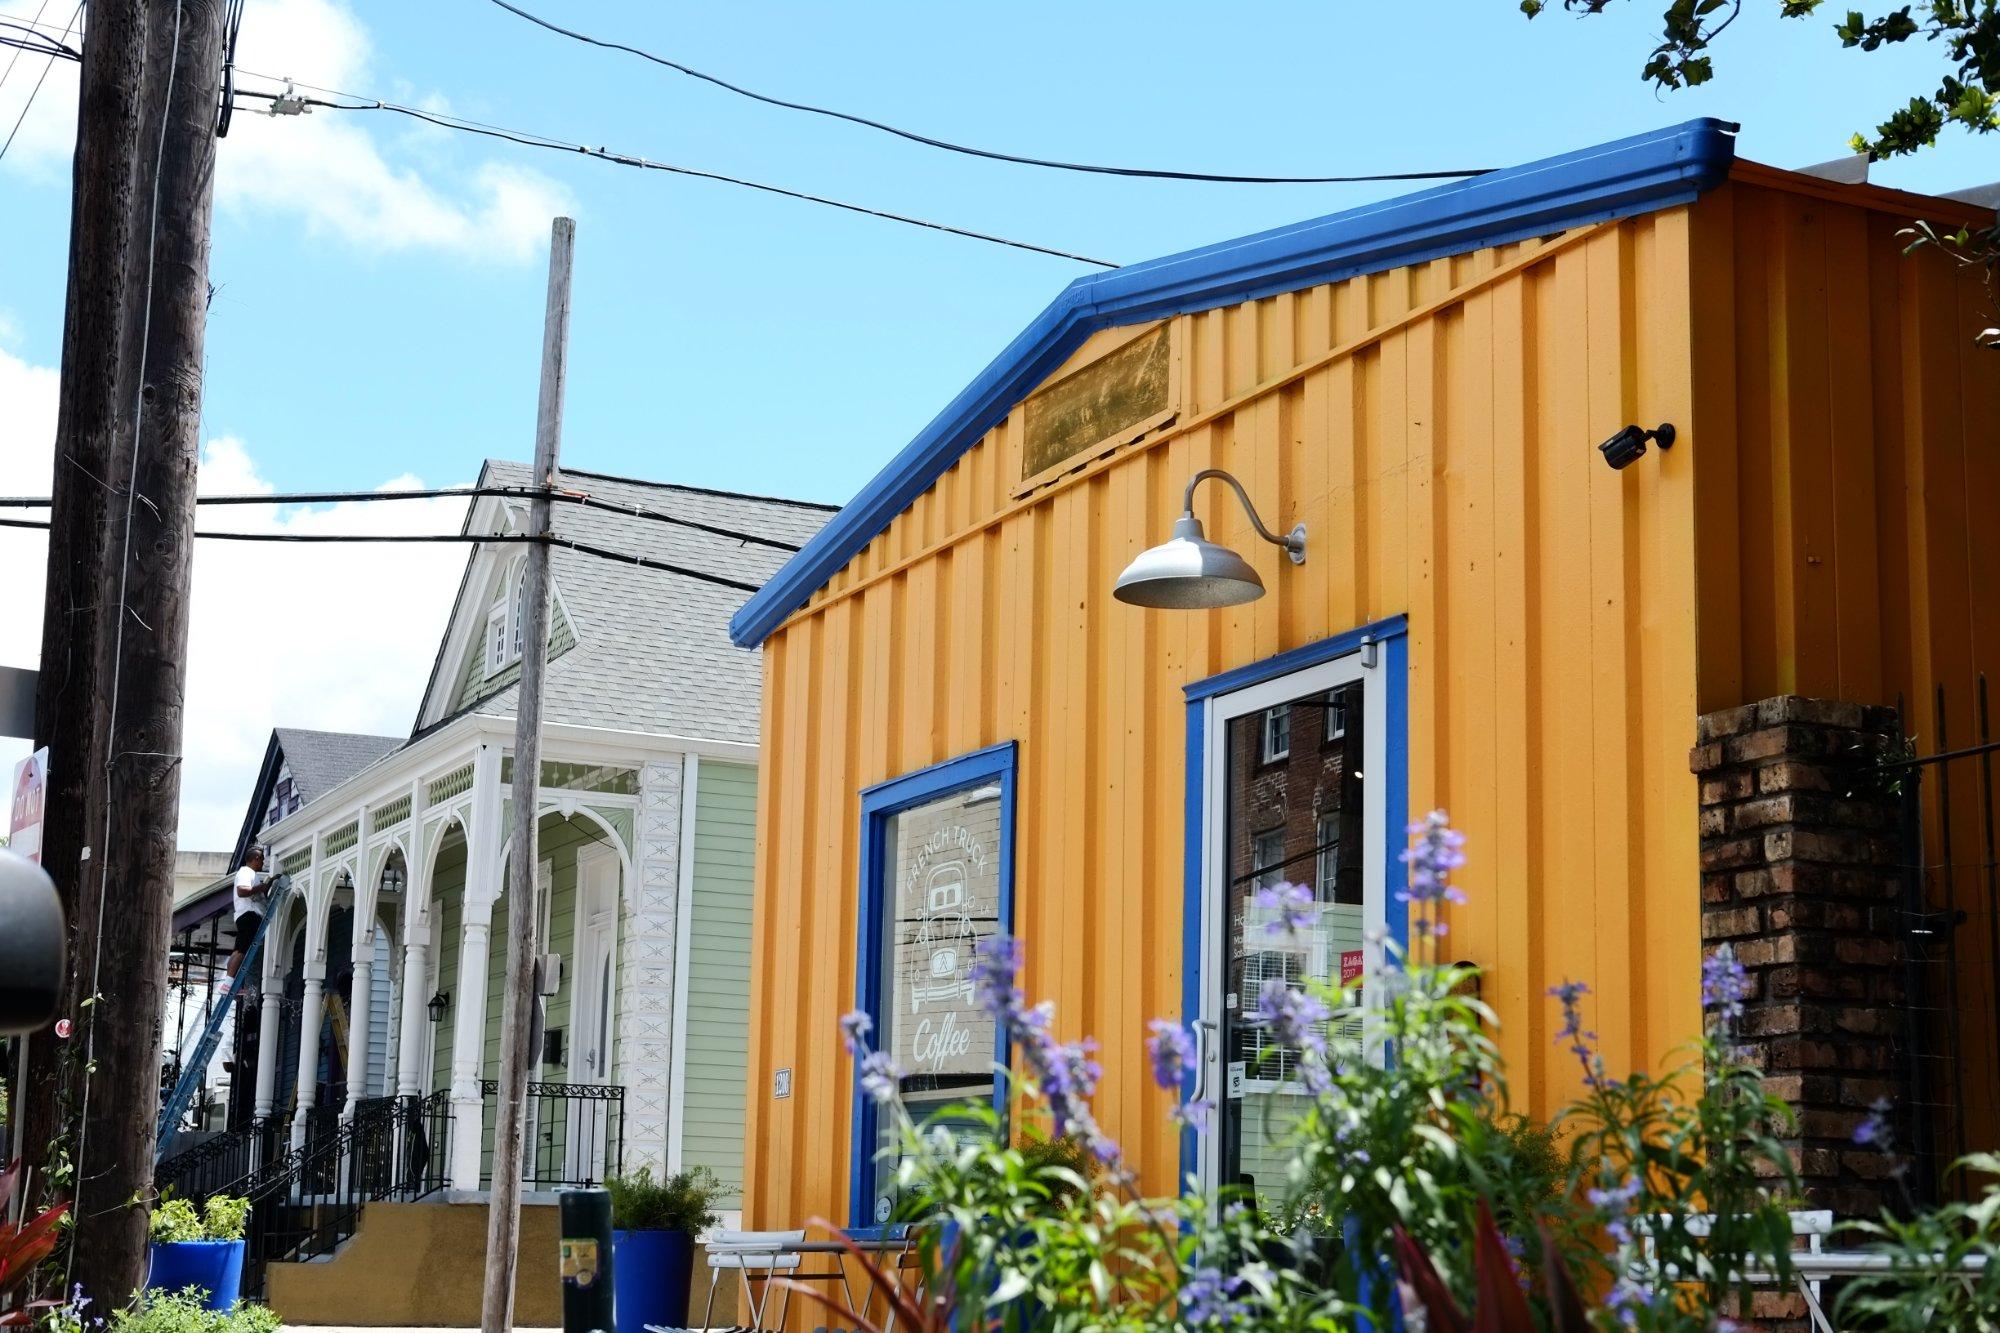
x: 1293, y: 793
x: 593, y: 981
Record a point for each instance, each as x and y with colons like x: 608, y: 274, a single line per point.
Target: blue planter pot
x: 650, y: 1274
x: 215, y: 1266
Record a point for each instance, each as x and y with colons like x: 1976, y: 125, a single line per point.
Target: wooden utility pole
x: 503, y: 1226
x: 94, y: 407
x: 138, y: 562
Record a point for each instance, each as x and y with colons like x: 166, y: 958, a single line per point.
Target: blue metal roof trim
x: 1641, y: 174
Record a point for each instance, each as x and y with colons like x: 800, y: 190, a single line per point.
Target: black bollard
x: 586, y: 1261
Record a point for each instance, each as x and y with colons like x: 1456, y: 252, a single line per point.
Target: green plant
x: 1944, y: 1263
x: 221, y: 1218
x: 23, y: 1246
x: 175, y: 1221
x: 684, y: 1201
x: 225, y: 1216
x: 183, y: 1312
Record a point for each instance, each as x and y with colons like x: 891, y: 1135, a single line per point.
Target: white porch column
x: 407, y: 1037
x: 468, y: 1043
x: 309, y: 1021
x: 361, y: 964
x: 267, y: 1052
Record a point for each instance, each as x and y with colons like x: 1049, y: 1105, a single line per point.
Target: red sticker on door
x: 1350, y: 967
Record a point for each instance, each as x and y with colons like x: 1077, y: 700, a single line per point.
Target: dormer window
x: 504, y: 620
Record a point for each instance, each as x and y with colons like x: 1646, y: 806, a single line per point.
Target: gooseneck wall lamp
x: 1188, y: 572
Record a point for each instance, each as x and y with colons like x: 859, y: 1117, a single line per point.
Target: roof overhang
x: 1624, y: 178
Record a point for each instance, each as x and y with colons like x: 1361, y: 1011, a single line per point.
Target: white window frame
x: 1326, y: 869
x: 1275, y: 720
x: 1269, y: 873
x: 504, y: 620
x: 1336, y: 717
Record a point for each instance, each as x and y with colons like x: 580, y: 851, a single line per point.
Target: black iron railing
x: 575, y: 1133
x: 221, y: 1164
x: 1949, y: 943
x: 306, y: 1199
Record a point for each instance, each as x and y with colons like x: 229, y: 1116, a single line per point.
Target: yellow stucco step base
x: 419, y: 1265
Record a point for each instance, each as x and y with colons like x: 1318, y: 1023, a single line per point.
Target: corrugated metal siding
x: 1441, y: 451
x: 718, y: 963
x: 1849, y: 479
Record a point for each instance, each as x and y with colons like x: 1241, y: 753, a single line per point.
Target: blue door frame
x: 997, y: 763
x: 1391, y: 639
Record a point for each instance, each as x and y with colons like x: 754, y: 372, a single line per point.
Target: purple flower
x: 1626, y: 1300
x: 1294, y: 908
x: 1196, y: 1114
x: 1294, y: 1016
x: 880, y: 1077
x: 1431, y: 861
x: 996, y: 963
x: 855, y: 1026
x: 1171, y: 1050
x: 1570, y: 995
x: 1724, y: 984
x: 1616, y: 1204
x: 1874, y: 1131
x: 1208, y: 1297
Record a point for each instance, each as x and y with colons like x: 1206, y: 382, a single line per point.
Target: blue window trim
x: 1392, y: 635
x: 878, y: 803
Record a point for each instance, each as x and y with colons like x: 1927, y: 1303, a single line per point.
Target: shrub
x: 684, y: 1201
x: 222, y: 1218
x: 183, y: 1312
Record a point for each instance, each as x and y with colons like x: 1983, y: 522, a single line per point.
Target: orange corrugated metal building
x: 965, y: 732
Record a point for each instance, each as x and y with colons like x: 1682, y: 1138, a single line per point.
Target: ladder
x: 211, y: 1036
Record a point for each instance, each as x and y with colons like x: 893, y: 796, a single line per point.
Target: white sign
x: 28, y: 794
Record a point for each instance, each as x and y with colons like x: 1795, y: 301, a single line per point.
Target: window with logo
x: 938, y: 845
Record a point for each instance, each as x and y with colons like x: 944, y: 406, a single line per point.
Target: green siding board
x: 473, y: 682
x: 715, y: 1025
x: 448, y: 893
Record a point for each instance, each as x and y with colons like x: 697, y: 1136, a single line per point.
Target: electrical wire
x: 563, y: 496
x: 463, y: 538
x: 21, y: 44
x: 36, y: 91
x: 232, y: 24
x: 967, y: 149
x: 530, y: 139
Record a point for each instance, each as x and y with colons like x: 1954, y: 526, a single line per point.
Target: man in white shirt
x: 252, y: 894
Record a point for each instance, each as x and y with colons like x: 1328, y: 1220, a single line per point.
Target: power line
x: 463, y: 538
x: 61, y: 47
x: 21, y: 44
x: 581, y: 498
x: 967, y: 149
x: 530, y: 139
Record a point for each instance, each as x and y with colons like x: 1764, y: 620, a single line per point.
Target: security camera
x: 1628, y: 446
x: 31, y: 945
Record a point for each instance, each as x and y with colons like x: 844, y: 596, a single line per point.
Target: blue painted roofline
x: 1641, y: 174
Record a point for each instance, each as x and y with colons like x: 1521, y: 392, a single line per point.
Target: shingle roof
x: 652, y: 649
x: 322, y: 760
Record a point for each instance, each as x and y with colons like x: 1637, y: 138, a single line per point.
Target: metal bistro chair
x: 759, y: 1256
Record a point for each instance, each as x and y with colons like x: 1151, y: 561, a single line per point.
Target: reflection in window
x: 1277, y: 734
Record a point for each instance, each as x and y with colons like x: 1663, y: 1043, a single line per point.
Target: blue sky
x: 380, y: 283
x: 736, y: 340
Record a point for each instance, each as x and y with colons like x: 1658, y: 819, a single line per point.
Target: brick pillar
x: 1799, y: 860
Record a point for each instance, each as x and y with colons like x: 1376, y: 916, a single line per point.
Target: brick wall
x: 1800, y: 875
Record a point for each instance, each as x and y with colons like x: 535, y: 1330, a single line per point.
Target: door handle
x: 1202, y: 1028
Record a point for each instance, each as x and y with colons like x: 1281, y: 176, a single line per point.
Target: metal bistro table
x: 782, y: 1254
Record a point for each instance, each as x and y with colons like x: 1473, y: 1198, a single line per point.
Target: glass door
x: 1292, y: 892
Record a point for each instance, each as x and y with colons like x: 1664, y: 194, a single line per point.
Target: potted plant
x: 199, y: 1249
x: 653, y: 1226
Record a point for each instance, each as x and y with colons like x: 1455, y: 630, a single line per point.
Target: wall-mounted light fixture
x: 439, y: 1003
x: 1628, y: 446
x: 1188, y: 572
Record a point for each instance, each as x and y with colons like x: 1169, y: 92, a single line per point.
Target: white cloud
x: 333, y: 637
x: 344, y: 175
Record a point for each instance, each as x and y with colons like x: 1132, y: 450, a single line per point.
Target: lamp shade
x: 1188, y: 572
